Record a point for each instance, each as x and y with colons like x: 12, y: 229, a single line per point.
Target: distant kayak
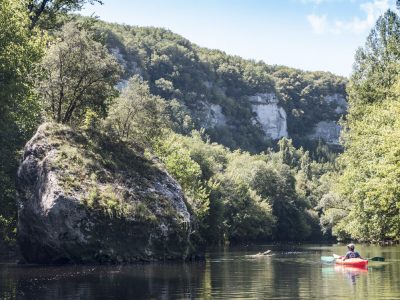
x: 353, y: 262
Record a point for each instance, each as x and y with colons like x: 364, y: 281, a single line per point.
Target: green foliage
x: 364, y: 204
x: 247, y: 217
x: 198, y: 77
x: 187, y: 172
x: 46, y: 12
x: 137, y: 115
x: 303, y: 97
x: 91, y: 121
x: 234, y: 195
x: 93, y: 166
x: 247, y: 197
x: 248, y: 213
x: 370, y: 177
x: 375, y: 68
x: 77, y: 73
x: 20, y: 49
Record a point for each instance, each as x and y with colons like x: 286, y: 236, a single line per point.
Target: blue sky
x: 305, y: 34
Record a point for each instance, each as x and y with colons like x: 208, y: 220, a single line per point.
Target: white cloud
x: 372, y: 10
x: 318, y: 23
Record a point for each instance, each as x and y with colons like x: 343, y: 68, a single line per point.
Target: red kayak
x: 353, y: 262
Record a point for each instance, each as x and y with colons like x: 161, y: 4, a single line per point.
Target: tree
x: 369, y: 181
x: 47, y: 10
x: 367, y: 205
x: 78, y: 73
x: 374, y: 72
x: 19, y: 113
x: 137, y: 115
x: 179, y: 163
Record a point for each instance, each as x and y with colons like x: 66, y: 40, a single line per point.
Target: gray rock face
x: 269, y: 115
x: 339, y: 101
x: 108, y: 206
x: 130, y: 68
x: 214, y: 117
x: 328, y: 131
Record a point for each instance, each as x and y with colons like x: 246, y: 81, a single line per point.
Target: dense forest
x: 147, y: 88
x: 198, y: 77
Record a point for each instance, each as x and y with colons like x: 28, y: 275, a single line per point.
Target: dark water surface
x: 293, y: 272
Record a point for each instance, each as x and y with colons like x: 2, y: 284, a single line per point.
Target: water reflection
x: 121, y: 282
x: 352, y: 273
x: 291, y: 273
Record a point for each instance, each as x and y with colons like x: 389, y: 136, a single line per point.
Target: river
x: 292, y: 272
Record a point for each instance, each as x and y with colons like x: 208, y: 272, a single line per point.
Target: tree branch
x: 34, y: 18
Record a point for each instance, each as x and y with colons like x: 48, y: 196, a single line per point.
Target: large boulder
x: 84, y: 199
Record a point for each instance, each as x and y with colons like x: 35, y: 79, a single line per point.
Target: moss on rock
x: 86, y: 198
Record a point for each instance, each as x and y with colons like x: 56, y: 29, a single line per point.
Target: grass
x: 107, y: 177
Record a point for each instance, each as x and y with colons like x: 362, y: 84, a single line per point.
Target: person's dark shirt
x: 352, y: 254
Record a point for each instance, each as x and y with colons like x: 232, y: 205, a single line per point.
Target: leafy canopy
x: 77, y: 73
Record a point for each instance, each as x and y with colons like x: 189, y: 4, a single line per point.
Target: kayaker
x: 351, y: 253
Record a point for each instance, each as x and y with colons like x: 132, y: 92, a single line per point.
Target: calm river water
x: 293, y: 272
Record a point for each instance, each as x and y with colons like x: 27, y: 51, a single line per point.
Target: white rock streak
x: 269, y: 115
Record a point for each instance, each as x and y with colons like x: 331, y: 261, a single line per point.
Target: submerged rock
x: 87, y: 200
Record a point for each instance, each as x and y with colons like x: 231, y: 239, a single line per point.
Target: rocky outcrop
x: 338, y: 101
x: 129, y: 67
x: 86, y: 200
x: 328, y: 131
x: 214, y: 117
x: 269, y: 115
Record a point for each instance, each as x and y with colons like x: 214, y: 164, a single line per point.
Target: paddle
x: 376, y: 258
x: 329, y: 259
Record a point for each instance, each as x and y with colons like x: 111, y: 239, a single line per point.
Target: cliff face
x: 85, y: 200
x: 269, y: 115
x: 241, y: 103
x: 329, y: 130
x: 214, y: 116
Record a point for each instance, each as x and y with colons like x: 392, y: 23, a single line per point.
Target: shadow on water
x: 141, y: 281
x: 292, y: 272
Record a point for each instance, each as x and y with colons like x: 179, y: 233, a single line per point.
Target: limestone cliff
x: 241, y: 103
x: 269, y: 115
x: 214, y: 116
x: 329, y: 130
x: 85, y: 199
